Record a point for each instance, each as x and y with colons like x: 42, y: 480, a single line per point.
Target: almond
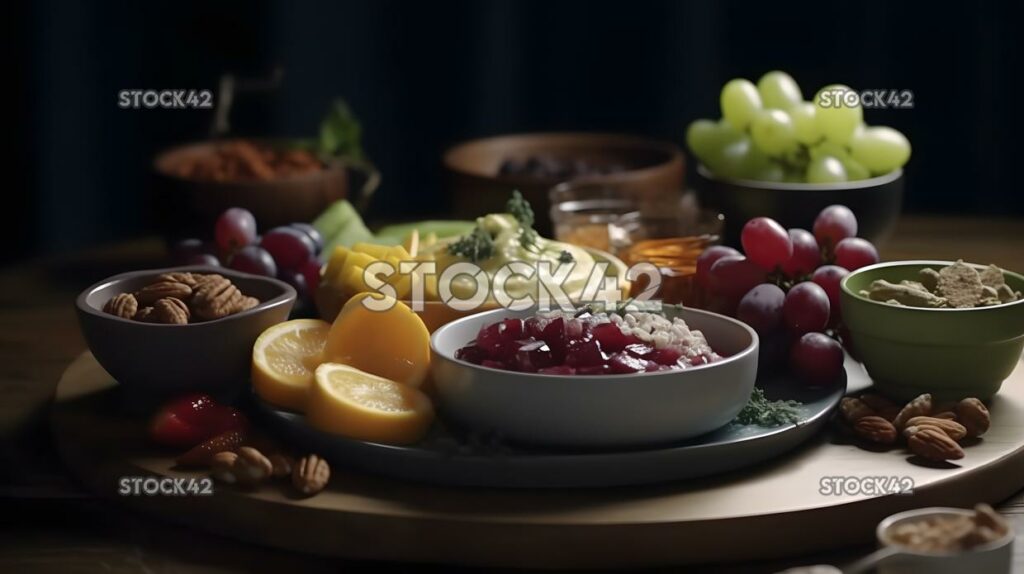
x: 974, y: 415
x: 955, y: 430
x: 934, y: 444
x: 920, y: 406
x: 854, y: 409
x: 222, y: 467
x: 875, y: 429
x: 251, y: 467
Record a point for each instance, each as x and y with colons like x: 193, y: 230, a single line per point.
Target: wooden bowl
x: 187, y: 207
x: 472, y: 169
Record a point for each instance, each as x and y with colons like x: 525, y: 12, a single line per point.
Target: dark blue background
x: 424, y: 75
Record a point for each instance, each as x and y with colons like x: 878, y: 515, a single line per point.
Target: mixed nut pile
x: 243, y: 160
x: 180, y: 298
x: 959, y: 286
x: 951, y: 533
x: 931, y: 431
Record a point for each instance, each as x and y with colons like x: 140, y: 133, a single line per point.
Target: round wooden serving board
x: 767, y: 511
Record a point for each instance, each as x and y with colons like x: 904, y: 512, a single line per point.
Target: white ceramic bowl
x: 993, y: 558
x: 596, y: 411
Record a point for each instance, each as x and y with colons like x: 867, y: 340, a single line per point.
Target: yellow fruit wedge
x: 393, y: 343
x: 284, y: 359
x: 356, y: 404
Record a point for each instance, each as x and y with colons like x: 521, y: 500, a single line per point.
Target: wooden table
x: 51, y: 524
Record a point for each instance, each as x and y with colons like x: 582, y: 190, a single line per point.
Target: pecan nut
x: 311, y: 475
x: 921, y: 406
x: 974, y: 415
x: 124, y: 305
x: 934, y: 444
x: 184, y: 277
x: 875, y: 429
x: 171, y: 311
x: 955, y: 430
x: 144, y: 314
x: 214, y: 298
x: 153, y: 292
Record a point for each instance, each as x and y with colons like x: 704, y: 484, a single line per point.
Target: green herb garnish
x: 565, y: 257
x: 476, y: 245
x: 520, y: 209
x: 763, y: 412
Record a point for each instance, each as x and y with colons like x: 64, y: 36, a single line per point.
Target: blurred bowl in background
x: 876, y: 202
x: 481, y: 174
x: 189, y: 206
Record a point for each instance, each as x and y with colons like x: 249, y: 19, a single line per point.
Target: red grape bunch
x: 785, y: 285
x: 288, y: 253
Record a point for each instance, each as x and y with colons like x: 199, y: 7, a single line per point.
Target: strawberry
x: 169, y: 429
x: 201, y: 454
x: 191, y: 419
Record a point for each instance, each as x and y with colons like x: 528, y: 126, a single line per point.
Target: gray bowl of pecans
x: 164, y: 332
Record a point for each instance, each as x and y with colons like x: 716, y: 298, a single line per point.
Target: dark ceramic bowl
x: 876, y: 202
x: 472, y: 169
x: 153, y: 362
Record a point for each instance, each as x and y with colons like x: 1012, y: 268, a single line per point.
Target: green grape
x: 805, y: 123
x: 825, y: 169
x: 835, y: 118
x: 854, y: 170
x: 706, y: 138
x: 828, y: 149
x: 793, y: 174
x: 740, y: 102
x: 741, y: 159
x: 880, y: 149
x: 773, y: 132
x: 766, y: 171
x: 779, y: 90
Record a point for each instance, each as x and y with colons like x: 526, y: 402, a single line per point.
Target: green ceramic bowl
x: 950, y: 353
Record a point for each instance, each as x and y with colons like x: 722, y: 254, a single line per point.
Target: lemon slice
x: 284, y: 359
x: 356, y: 404
x: 393, y: 343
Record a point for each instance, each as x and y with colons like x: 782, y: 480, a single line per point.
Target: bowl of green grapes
x: 774, y: 154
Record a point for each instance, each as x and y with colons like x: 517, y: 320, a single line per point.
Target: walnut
x: 123, y: 305
x: 975, y: 417
x: 934, y: 444
x: 920, y: 406
x: 171, y: 311
x: 311, y: 475
x: 875, y: 429
x: 153, y: 292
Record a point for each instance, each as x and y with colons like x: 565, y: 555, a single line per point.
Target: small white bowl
x: 993, y: 558
x: 597, y: 411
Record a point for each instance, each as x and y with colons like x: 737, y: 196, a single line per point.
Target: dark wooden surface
x: 50, y: 524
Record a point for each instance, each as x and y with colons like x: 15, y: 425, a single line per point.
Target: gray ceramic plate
x: 445, y: 457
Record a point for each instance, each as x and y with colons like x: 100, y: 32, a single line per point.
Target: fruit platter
x: 336, y: 375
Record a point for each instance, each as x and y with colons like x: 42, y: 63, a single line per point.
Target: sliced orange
x: 284, y: 359
x: 356, y: 404
x: 392, y: 343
